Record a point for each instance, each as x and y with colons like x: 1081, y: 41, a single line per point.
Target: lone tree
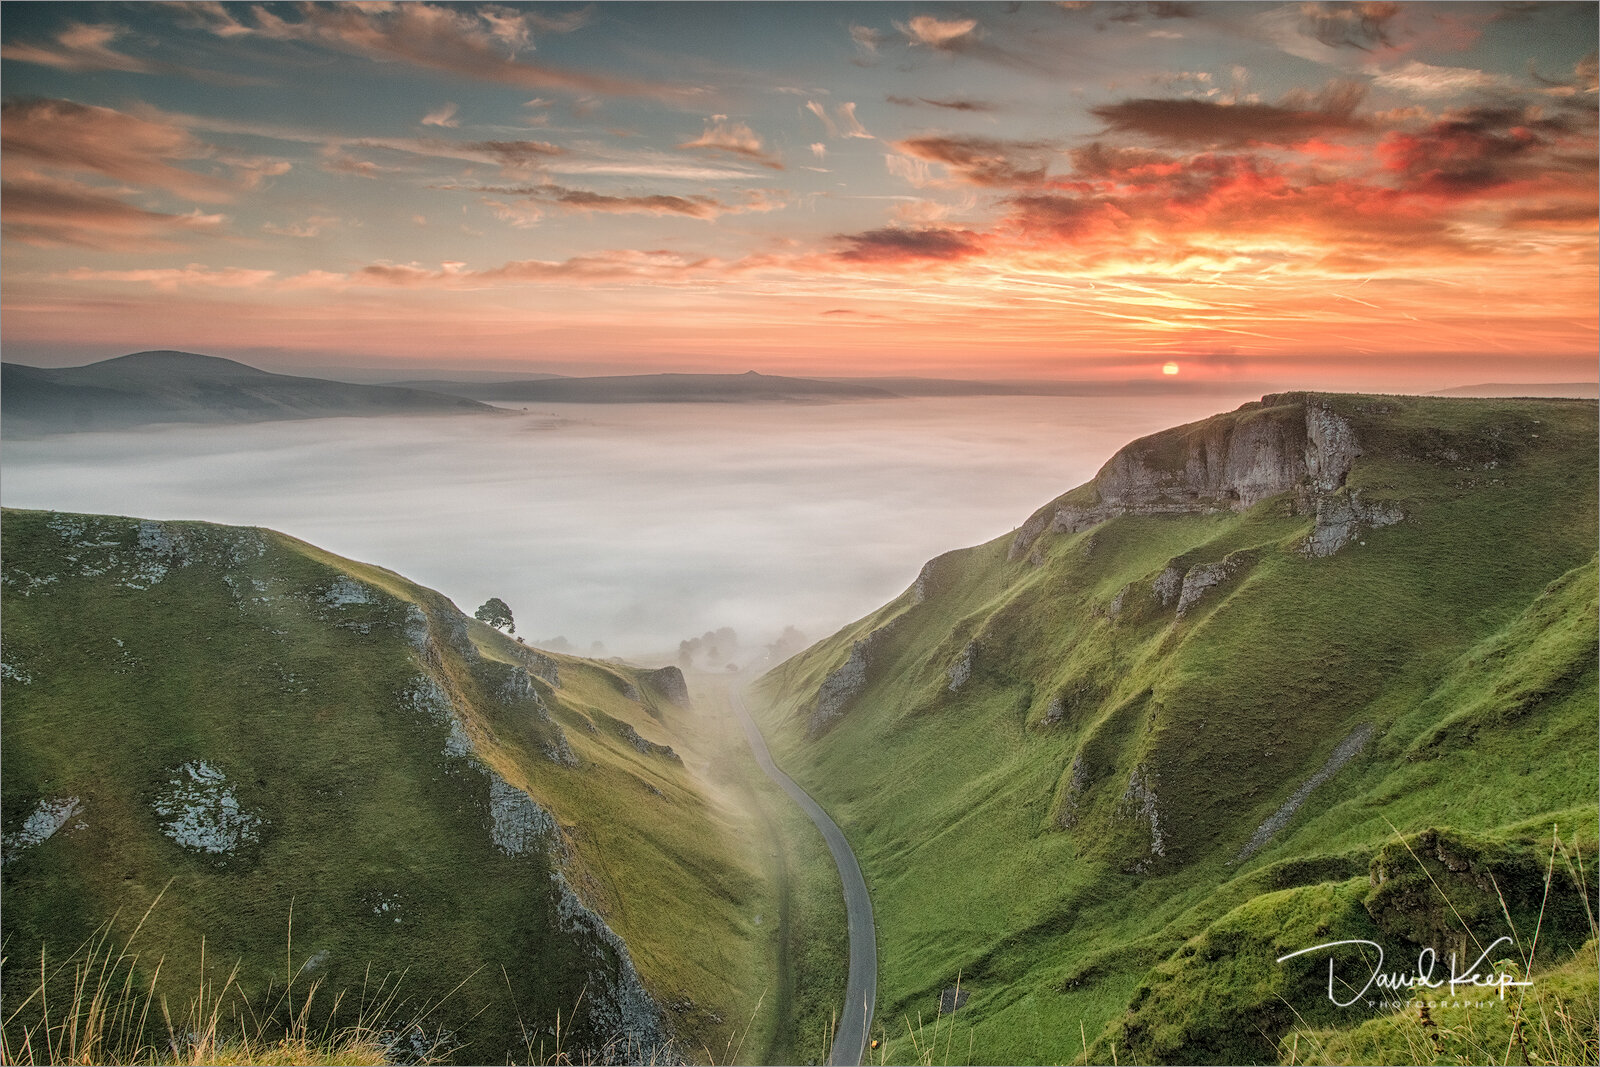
x: 496, y: 614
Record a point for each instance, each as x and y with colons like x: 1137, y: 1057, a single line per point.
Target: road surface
x: 861, y: 989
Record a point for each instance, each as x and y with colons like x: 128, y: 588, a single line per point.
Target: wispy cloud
x: 944, y: 35
x: 735, y: 138
x: 79, y: 138
x: 59, y: 212
x: 948, y: 103
x: 983, y: 160
x: 444, y: 115
x: 482, y: 43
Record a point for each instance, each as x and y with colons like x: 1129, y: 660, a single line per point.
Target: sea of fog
x: 631, y: 525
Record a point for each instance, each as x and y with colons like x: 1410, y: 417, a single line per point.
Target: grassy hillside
x: 239, y: 723
x: 1222, y: 703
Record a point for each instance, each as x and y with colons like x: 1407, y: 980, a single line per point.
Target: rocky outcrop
x: 1287, y: 442
x: 624, y: 1023
x: 47, y: 817
x: 961, y: 669
x: 1139, y: 802
x: 1167, y: 586
x: 1077, y: 782
x: 644, y: 745
x: 1199, y: 579
x: 1342, y: 754
x: 541, y: 666
x: 936, y: 576
x: 669, y: 682
x: 1340, y: 519
x: 203, y: 814
x: 840, y: 689
x: 1027, y: 534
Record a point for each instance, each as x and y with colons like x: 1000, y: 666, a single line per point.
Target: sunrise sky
x: 1368, y: 195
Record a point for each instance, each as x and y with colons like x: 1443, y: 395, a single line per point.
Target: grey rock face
x: 346, y: 591
x: 1140, y: 802
x: 1036, y: 524
x: 961, y: 669
x: 616, y: 1001
x: 1199, y: 579
x: 202, y: 812
x: 1168, y: 585
x: 1341, y: 518
x: 1227, y: 464
x: 669, y: 682
x: 517, y: 826
x: 1077, y: 782
x: 839, y: 689
x: 542, y: 667
x: 645, y: 745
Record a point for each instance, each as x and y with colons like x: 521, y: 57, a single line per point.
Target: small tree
x: 496, y: 614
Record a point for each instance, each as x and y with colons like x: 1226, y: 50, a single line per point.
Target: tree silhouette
x: 496, y: 614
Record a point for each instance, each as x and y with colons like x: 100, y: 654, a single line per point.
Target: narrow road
x: 861, y: 989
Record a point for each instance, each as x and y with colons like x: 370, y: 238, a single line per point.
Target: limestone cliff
x: 1284, y: 442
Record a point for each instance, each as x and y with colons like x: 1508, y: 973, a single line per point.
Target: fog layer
x: 637, y: 526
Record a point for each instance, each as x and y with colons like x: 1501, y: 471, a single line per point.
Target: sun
x: 1169, y: 368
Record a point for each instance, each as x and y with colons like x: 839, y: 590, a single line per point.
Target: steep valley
x: 1291, y: 674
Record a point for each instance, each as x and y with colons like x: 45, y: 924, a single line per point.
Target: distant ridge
x: 748, y: 388
x: 146, y: 388
x: 1503, y: 390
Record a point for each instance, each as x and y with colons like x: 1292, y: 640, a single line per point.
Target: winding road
x: 861, y: 989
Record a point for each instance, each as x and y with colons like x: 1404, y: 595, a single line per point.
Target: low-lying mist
x: 636, y: 526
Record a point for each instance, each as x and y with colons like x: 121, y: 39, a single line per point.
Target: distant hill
x: 162, y: 387
x: 747, y: 388
x: 1578, y: 390
x: 256, y: 724
x: 1296, y: 673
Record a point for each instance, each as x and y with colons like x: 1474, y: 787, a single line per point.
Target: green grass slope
x: 237, y: 722
x: 1107, y: 770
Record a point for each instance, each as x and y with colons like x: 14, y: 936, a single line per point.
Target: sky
x: 1366, y: 195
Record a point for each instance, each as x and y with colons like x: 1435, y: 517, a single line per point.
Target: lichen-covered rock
x: 48, y: 816
x: 517, y: 826
x: 542, y: 667
x: 557, y: 751
x: 1027, y: 534
x: 669, y: 682
x: 346, y: 591
x: 202, y: 812
x: 518, y: 688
